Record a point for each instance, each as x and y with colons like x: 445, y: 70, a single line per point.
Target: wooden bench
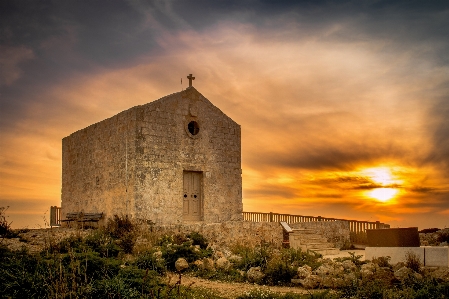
x: 73, y: 216
x: 91, y: 217
x: 80, y: 217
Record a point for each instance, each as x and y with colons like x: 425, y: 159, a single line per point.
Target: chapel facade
x: 171, y: 161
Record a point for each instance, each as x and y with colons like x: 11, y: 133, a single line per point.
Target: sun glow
x: 381, y: 175
x: 384, y: 181
x: 383, y: 194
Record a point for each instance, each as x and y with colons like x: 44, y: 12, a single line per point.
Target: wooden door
x: 192, y: 203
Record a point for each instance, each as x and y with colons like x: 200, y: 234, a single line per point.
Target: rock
x: 199, y: 264
x: 398, y: 266
x: 441, y: 274
x: 330, y: 268
x: 235, y: 258
x: 255, y: 275
x: 208, y: 264
x: 223, y: 263
x: 181, y: 264
x: 349, y: 266
x: 403, y: 273
x: 323, y: 270
x: 304, y: 271
x: 368, y: 269
x: 218, y: 254
x: 311, y: 282
x: 157, y: 254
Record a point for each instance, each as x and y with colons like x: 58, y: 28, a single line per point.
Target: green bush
x: 252, y: 256
x: 198, y: 239
x: 147, y: 260
x: 186, y: 250
x: 123, y: 229
x: 413, y: 261
x: 383, y: 261
x: 279, y: 272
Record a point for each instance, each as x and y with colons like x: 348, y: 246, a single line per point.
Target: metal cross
x: 190, y: 77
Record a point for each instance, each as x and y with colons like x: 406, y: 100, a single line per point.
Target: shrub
x: 5, y: 228
x: 119, y: 226
x: 100, y: 241
x: 413, y: 261
x: 198, y: 239
x: 147, y: 260
x: 383, y: 261
x: 279, y: 271
x: 252, y: 256
x: 443, y: 236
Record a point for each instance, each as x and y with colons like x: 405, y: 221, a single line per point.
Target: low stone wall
x: 222, y: 234
x: 336, y: 232
x: 231, y: 232
x: 36, y: 240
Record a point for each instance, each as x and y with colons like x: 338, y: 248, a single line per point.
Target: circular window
x: 193, y: 127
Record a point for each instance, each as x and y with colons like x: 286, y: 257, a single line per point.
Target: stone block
x: 437, y: 256
x: 393, y: 237
x: 397, y: 254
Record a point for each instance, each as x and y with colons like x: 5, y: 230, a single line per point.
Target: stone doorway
x: 192, y: 196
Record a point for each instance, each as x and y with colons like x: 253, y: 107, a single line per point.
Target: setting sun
x: 383, y: 194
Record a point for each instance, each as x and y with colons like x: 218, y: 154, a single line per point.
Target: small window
x: 193, y: 127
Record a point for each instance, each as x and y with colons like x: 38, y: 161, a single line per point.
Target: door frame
x: 201, y: 193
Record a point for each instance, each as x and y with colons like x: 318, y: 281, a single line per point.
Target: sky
x: 343, y: 105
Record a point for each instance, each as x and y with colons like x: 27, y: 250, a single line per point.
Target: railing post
x: 319, y: 218
x: 271, y: 216
x: 377, y: 224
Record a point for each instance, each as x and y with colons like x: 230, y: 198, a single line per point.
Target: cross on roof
x: 190, y: 77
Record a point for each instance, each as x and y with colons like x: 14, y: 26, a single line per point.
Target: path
x: 232, y: 289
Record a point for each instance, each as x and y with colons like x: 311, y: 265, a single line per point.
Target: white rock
x: 181, y: 264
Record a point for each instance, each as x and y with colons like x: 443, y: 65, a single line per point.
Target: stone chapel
x: 171, y: 161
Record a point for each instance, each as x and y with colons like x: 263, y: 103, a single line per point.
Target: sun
x: 385, y: 183
x: 383, y: 194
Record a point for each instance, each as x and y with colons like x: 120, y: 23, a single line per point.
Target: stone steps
x: 310, y: 240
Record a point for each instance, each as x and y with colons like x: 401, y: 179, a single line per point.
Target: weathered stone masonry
x: 174, y: 160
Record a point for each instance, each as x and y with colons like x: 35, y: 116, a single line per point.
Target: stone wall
x: 134, y: 162
x: 336, y: 232
x: 98, y: 167
x: 223, y: 234
x: 231, y: 232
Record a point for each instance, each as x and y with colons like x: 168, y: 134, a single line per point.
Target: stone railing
x: 357, y: 228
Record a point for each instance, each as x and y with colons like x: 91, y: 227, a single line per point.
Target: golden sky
x: 344, y: 108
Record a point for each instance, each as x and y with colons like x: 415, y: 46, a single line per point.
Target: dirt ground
x: 231, y: 289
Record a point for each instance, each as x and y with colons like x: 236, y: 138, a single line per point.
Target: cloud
x: 10, y: 60
x: 320, y: 90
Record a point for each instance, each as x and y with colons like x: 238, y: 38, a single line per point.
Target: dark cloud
x: 439, y: 125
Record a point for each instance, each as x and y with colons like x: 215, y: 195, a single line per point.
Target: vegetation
x: 107, y: 263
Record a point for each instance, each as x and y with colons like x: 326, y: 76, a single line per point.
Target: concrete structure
x: 175, y: 160
x: 429, y: 256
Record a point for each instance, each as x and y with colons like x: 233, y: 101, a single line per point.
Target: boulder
x: 199, y: 264
x: 311, y: 282
x: 208, y: 264
x: 255, y: 275
x: 349, y: 266
x: 304, y: 271
x: 157, y: 254
x: 368, y: 269
x: 441, y: 274
x: 223, y: 263
x: 405, y: 273
x: 181, y: 264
